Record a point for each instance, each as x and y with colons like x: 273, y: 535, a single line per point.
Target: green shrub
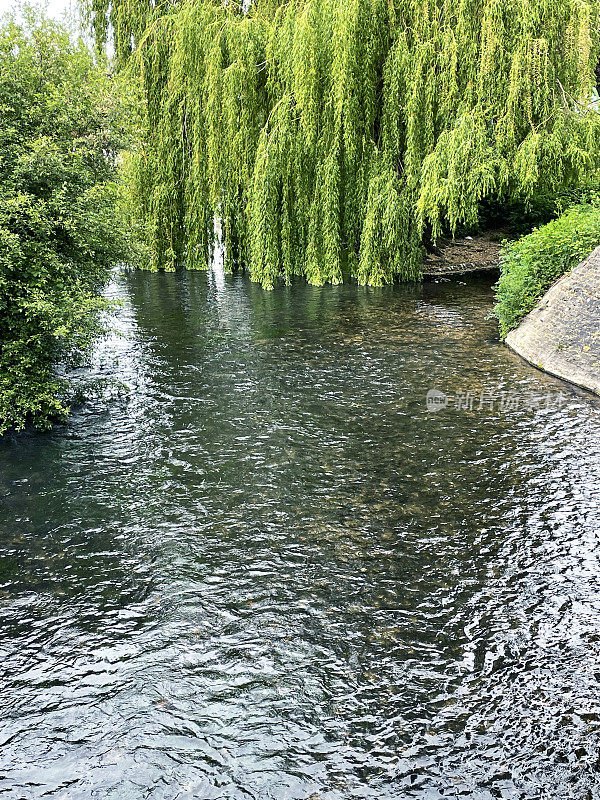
x: 58, y: 226
x: 532, y: 264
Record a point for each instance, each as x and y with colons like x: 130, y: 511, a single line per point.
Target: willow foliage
x: 327, y: 135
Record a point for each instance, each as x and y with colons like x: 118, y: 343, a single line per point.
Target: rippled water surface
x: 270, y: 572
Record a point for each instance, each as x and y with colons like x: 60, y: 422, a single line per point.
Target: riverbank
x: 469, y: 255
x: 561, y: 335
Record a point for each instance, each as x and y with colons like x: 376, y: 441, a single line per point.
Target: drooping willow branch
x: 325, y: 134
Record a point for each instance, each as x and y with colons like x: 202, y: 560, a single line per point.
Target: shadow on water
x: 273, y: 573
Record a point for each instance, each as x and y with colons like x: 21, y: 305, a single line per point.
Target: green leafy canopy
x: 58, y: 230
x: 328, y: 135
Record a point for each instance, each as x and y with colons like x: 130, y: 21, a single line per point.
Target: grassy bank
x: 532, y: 264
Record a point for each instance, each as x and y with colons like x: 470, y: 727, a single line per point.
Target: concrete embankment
x: 562, y: 334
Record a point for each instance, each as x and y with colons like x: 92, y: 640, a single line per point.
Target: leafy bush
x: 58, y: 227
x: 532, y: 264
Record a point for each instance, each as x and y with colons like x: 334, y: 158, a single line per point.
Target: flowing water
x: 268, y: 571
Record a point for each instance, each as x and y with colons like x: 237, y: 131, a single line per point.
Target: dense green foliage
x: 57, y: 219
x: 532, y: 264
x: 329, y: 136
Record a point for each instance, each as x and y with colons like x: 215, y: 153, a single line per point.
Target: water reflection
x: 271, y: 573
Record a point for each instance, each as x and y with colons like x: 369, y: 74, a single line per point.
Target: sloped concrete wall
x: 562, y: 333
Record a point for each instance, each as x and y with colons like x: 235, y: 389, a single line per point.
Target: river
x: 269, y: 570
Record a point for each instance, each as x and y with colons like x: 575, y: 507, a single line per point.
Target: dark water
x: 272, y: 573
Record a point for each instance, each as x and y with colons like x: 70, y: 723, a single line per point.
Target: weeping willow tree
x: 327, y: 136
